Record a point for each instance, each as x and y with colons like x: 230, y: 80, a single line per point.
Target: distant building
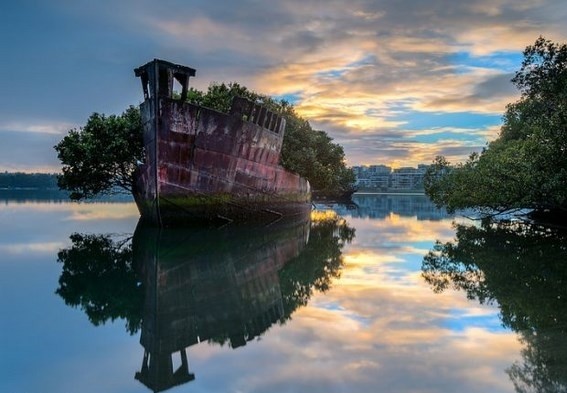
x: 383, y: 178
x: 373, y: 177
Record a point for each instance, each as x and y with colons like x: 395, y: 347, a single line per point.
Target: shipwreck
x: 204, y: 165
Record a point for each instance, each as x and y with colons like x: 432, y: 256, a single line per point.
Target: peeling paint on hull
x: 205, y: 165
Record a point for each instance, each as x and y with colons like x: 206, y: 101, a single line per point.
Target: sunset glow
x: 393, y: 82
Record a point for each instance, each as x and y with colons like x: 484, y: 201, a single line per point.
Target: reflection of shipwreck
x: 209, y: 285
x: 205, y: 165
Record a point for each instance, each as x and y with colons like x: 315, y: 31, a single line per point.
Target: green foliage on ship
x: 310, y: 153
x: 526, y: 166
x: 100, y: 157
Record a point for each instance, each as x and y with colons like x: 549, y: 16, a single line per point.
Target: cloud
x: 37, y: 127
x: 354, y: 67
x: 27, y: 248
x: 30, y: 150
x: 397, y: 152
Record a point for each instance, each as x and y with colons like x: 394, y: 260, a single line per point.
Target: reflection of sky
x: 379, y: 328
x: 45, y: 345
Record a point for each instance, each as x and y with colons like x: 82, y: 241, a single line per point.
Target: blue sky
x: 394, y: 82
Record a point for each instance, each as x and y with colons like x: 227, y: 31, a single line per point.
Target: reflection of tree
x: 99, y: 277
x: 522, y: 268
x: 224, y: 286
x: 320, y: 262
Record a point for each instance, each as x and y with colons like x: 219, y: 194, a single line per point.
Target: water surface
x: 341, y: 301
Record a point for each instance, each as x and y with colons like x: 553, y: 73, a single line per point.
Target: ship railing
x: 257, y: 114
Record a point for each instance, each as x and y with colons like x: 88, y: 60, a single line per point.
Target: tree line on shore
x: 21, y: 180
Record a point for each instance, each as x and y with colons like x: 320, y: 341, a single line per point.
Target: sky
x: 393, y: 82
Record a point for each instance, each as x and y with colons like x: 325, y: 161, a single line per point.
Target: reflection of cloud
x: 380, y: 328
x: 362, y: 257
x: 99, y: 211
x: 367, y: 358
x: 399, y: 230
x: 75, y: 211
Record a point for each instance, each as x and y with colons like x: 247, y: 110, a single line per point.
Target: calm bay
x: 341, y: 301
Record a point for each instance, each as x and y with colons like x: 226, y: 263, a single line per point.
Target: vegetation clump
x: 526, y: 166
x: 101, y: 157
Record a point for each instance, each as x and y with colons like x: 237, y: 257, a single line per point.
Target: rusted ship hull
x: 205, y: 165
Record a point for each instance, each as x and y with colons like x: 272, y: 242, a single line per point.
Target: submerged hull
x: 205, y: 165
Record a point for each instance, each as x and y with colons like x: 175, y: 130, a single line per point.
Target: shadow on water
x: 179, y: 287
x: 523, y: 269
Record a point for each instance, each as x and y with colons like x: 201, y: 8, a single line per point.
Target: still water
x: 356, y: 298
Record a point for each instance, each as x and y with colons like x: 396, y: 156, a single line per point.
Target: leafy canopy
x: 101, y: 157
x: 526, y: 166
